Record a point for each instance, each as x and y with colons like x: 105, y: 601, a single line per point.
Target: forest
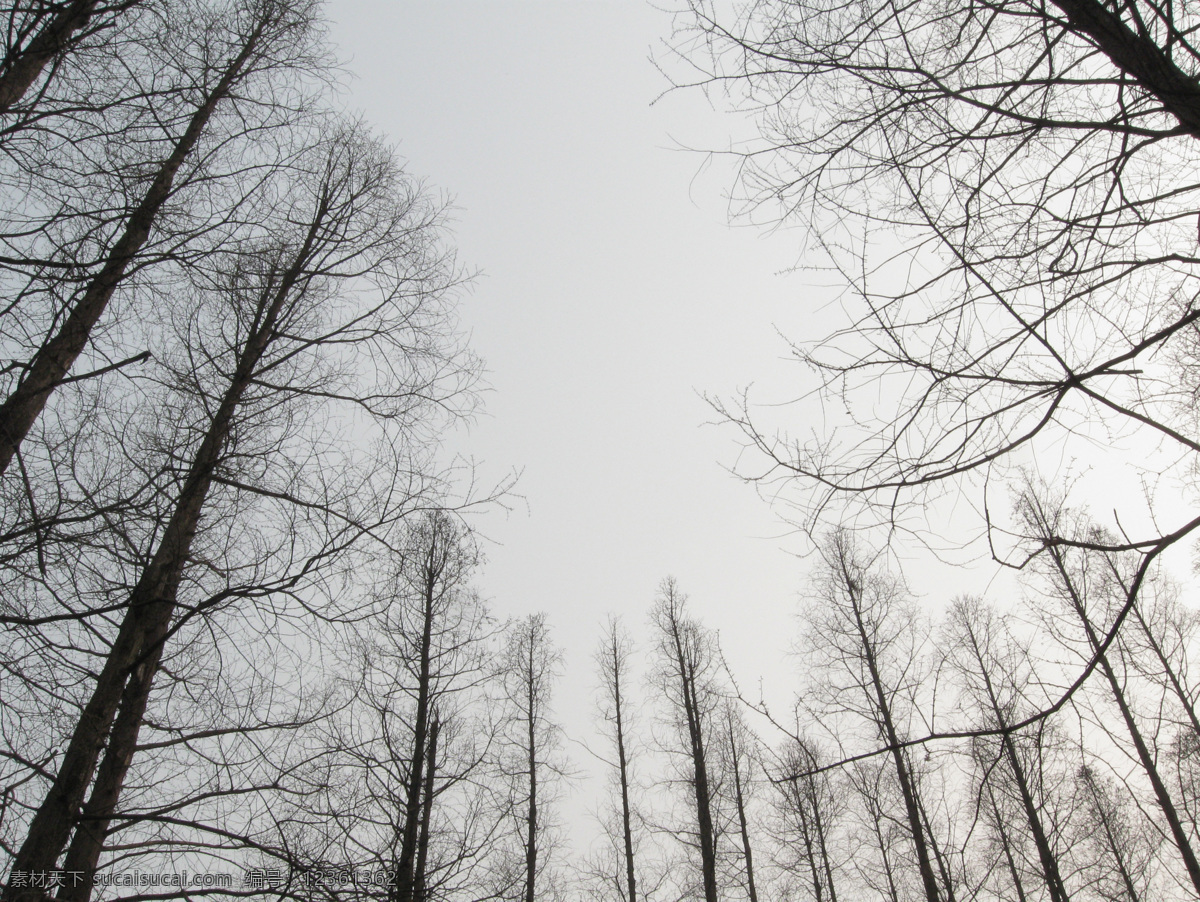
x: 246, y: 642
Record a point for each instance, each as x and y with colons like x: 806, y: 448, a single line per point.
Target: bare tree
x: 740, y: 747
x: 410, y: 740
x: 434, y: 569
x: 529, y: 667
x: 255, y: 40
x: 687, y: 664
x: 39, y: 33
x: 886, y: 876
x: 1160, y: 650
x: 1119, y: 866
x: 863, y: 637
x: 1093, y: 588
x: 990, y: 669
x: 1007, y: 193
x: 808, y: 808
x: 613, y: 660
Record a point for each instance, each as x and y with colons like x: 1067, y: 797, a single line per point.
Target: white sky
x: 614, y: 292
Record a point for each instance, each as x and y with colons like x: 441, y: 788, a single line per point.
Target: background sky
x: 614, y: 292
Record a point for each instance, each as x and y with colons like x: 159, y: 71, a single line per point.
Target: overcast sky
x: 613, y: 292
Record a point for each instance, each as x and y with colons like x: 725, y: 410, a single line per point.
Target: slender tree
x: 437, y: 628
x: 433, y: 570
x: 887, y: 876
x: 613, y: 660
x: 1118, y: 869
x: 808, y: 808
x: 687, y: 662
x: 1083, y: 586
x: 421, y: 879
x: 865, y: 635
x: 739, y: 746
x: 992, y: 680
x: 530, y: 667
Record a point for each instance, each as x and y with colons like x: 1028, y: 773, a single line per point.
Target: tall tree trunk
x: 613, y: 659
x: 1114, y: 846
x: 531, y: 821
x: 1006, y: 845
x: 623, y: 776
x: 885, y: 722
x: 823, y: 845
x: 1169, y: 671
x: 54, y: 359
x: 740, y: 801
x: 1049, y: 861
x: 684, y: 653
x: 21, y: 69
x: 807, y: 834
x: 149, y: 612
x: 700, y: 784
x: 875, y: 811
x: 83, y: 855
x: 939, y: 856
x: 412, y: 803
x: 530, y: 665
x: 420, y: 875
x: 1161, y: 794
x: 806, y: 799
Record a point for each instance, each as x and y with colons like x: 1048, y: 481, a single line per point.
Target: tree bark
x: 23, y: 68
x: 149, y: 612
x: 1138, y: 57
x: 420, y: 875
x: 83, y: 855
x: 54, y: 359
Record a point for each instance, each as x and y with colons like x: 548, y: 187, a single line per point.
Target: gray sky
x: 613, y: 293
